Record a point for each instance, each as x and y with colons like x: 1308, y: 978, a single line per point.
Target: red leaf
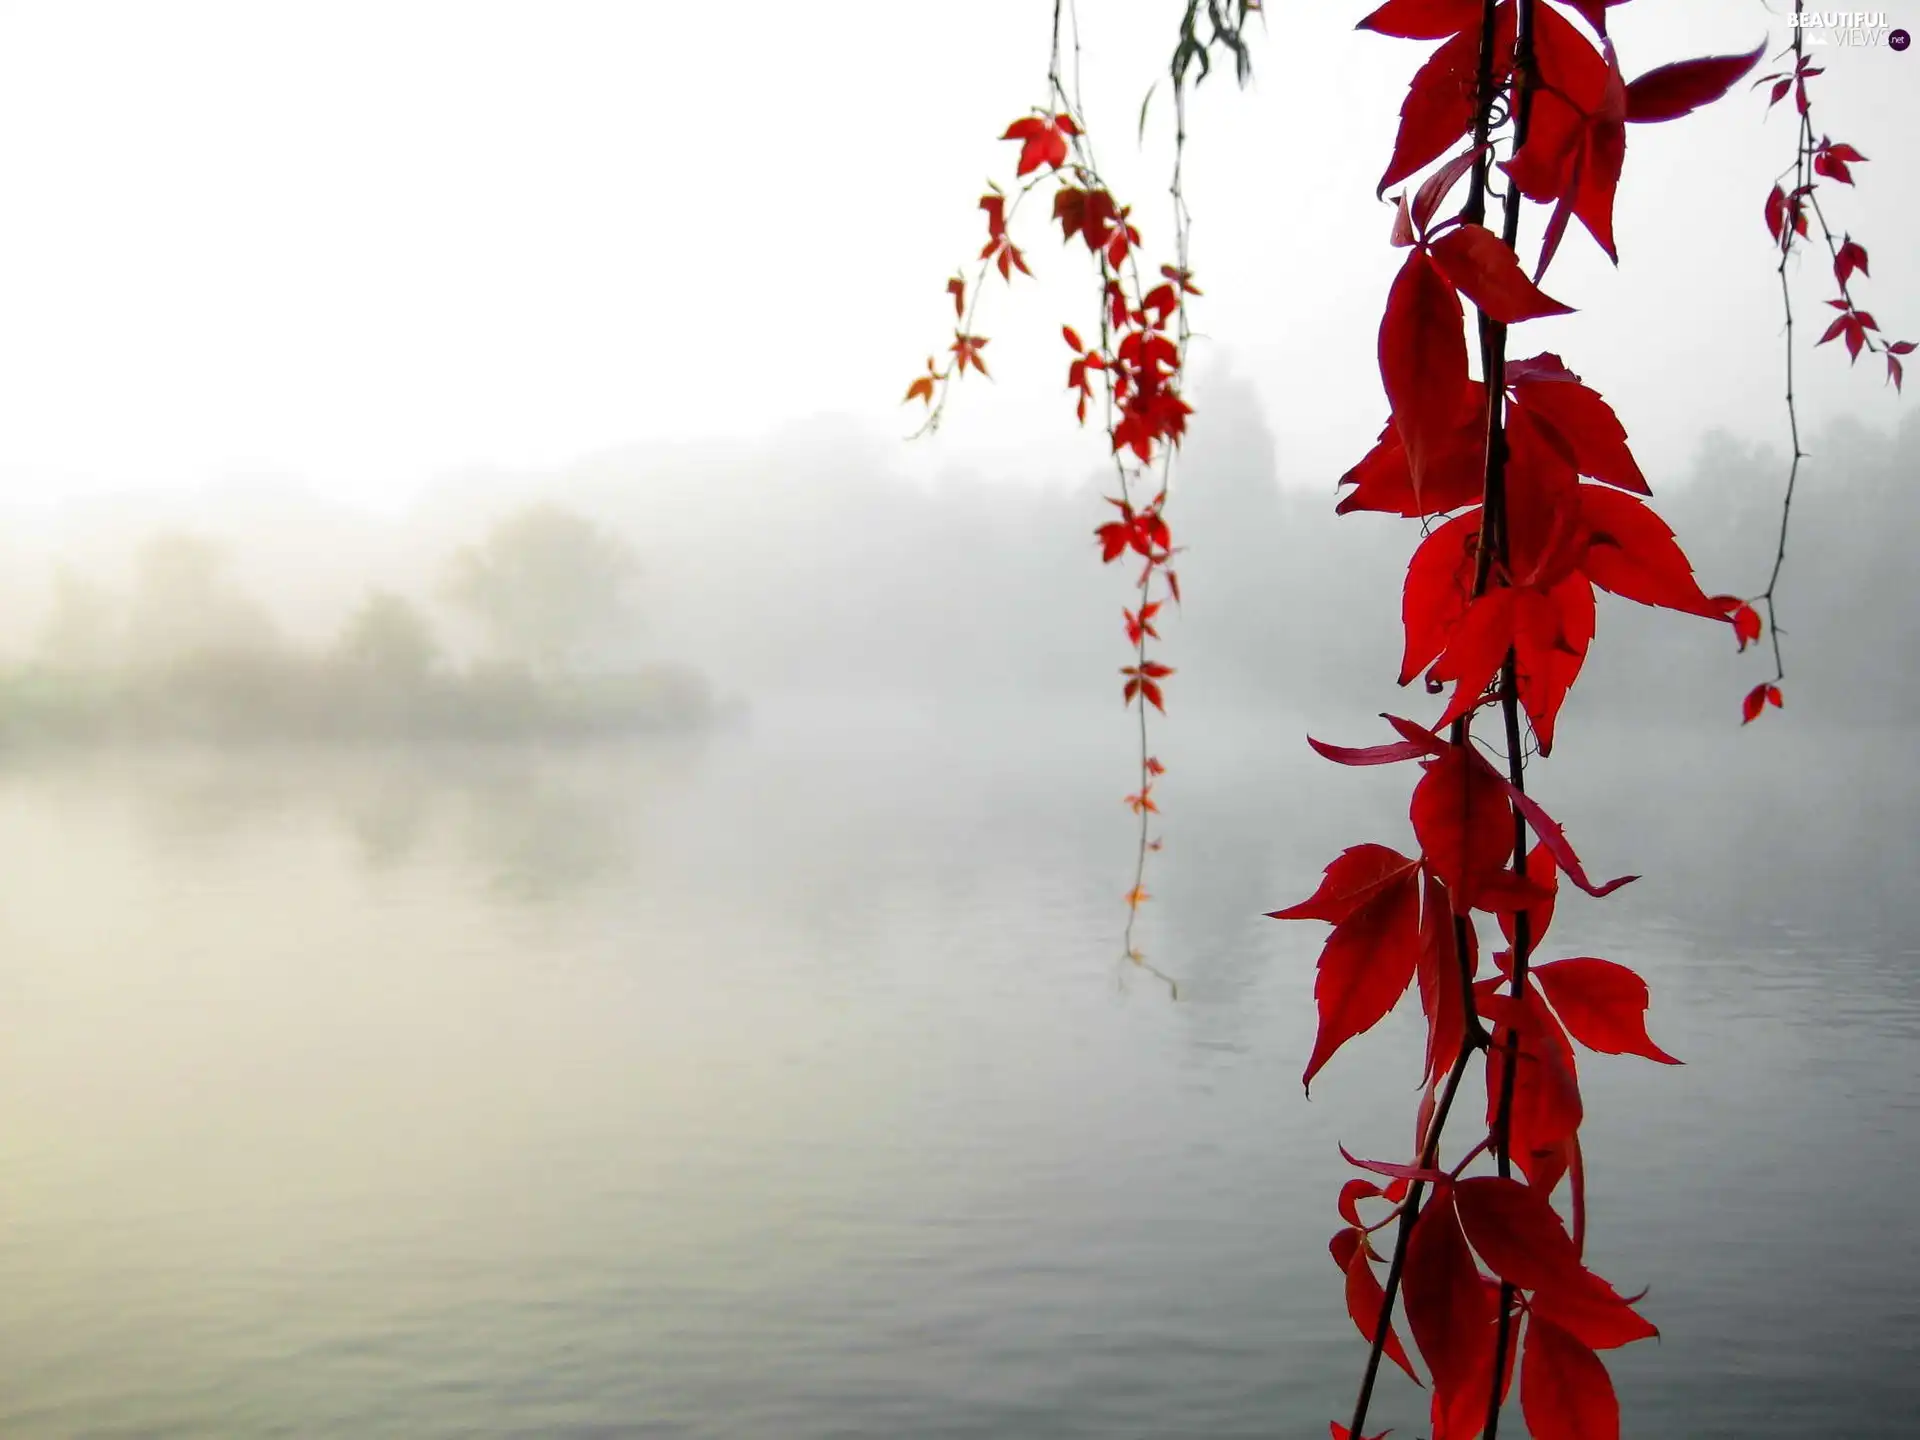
x: 1555, y: 839
x: 1454, y: 475
x: 1683, y: 87
x: 1594, y: 1313
x: 1584, y: 428
x: 1437, y: 185
x: 1439, y: 584
x: 921, y: 389
x: 1565, y: 1393
x: 1422, y: 19
x: 1603, y: 1005
x: 1423, y: 360
x: 1776, y: 212
x: 1440, y: 98
x: 1353, y: 877
x: 1546, y: 1091
x: 957, y: 288
x: 1367, y: 755
x: 1606, y: 151
x: 1366, y: 966
x: 1757, y: 700
x: 1632, y: 553
x: 1518, y: 1234
x: 1850, y: 257
x: 1364, y: 1301
x: 1482, y: 267
x: 1465, y: 828
x: 1351, y: 1194
x: 1451, y: 1316
x: 1394, y: 1168
x: 1542, y: 872
x: 966, y: 350
x: 1441, y: 988
x: 1045, y: 140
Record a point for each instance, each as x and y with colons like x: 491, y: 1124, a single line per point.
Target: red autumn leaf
x: 1550, y: 646
x: 966, y: 351
x: 1423, y: 360
x: 1743, y: 617
x: 1606, y: 152
x: 1632, y: 553
x: 1544, y: 366
x: 1853, y: 325
x: 1351, y: 1194
x: 1570, y: 68
x: 1565, y: 1392
x: 1517, y: 1232
x: 1832, y: 161
x: 1006, y: 257
x: 1455, y: 474
x: 1439, y: 106
x: 1365, y: 1300
x: 1679, y: 89
x: 1450, y: 1315
x: 1438, y: 972
x: 1435, y: 188
x: 1367, y: 963
x: 1465, y: 828
x: 1439, y: 584
x: 1603, y: 1006
x: 957, y: 288
x: 1546, y: 1090
x: 1045, y: 141
x: 1757, y: 700
x: 1850, y: 257
x: 922, y: 388
x: 1340, y: 1432
x: 1395, y: 1168
x: 1484, y: 269
x: 1422, y: 19
x: 1594, y: 1313
x: 1369, y: 754
x: 995, y: 204
x: 1352, y: 878
x: 1776, y: 212
x: 1585, y: 429
x: 1541, y: 871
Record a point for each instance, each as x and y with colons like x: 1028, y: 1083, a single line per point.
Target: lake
x: 788, y: 1083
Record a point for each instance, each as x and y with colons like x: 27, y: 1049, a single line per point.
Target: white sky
x: 363, y: 244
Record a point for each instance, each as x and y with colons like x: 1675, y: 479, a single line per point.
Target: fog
x: 805, y: 567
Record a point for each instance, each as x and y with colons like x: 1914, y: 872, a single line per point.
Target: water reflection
x: 781, y: 1086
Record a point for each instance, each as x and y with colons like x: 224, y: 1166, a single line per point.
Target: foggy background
x: 807, y: 566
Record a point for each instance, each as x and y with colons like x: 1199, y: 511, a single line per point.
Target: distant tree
x: 184, y: 605
x: 82, y: 631
x: 388, y: 640
x: 548, y: 584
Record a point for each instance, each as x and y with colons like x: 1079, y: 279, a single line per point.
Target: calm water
x: 787, y: 1085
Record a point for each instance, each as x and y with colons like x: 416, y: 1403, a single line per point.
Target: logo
x: 1851, y: 29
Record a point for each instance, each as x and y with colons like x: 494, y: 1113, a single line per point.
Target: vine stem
x: 1802, y: 175
x: 1492, y: 547
x: 1494, y: 351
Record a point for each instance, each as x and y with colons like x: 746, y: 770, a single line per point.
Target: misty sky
x: 364, y: 245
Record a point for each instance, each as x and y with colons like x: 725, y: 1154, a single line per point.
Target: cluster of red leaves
x: 1483, y: 599
x: 1786, y: 213
x: 1137, y: 362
